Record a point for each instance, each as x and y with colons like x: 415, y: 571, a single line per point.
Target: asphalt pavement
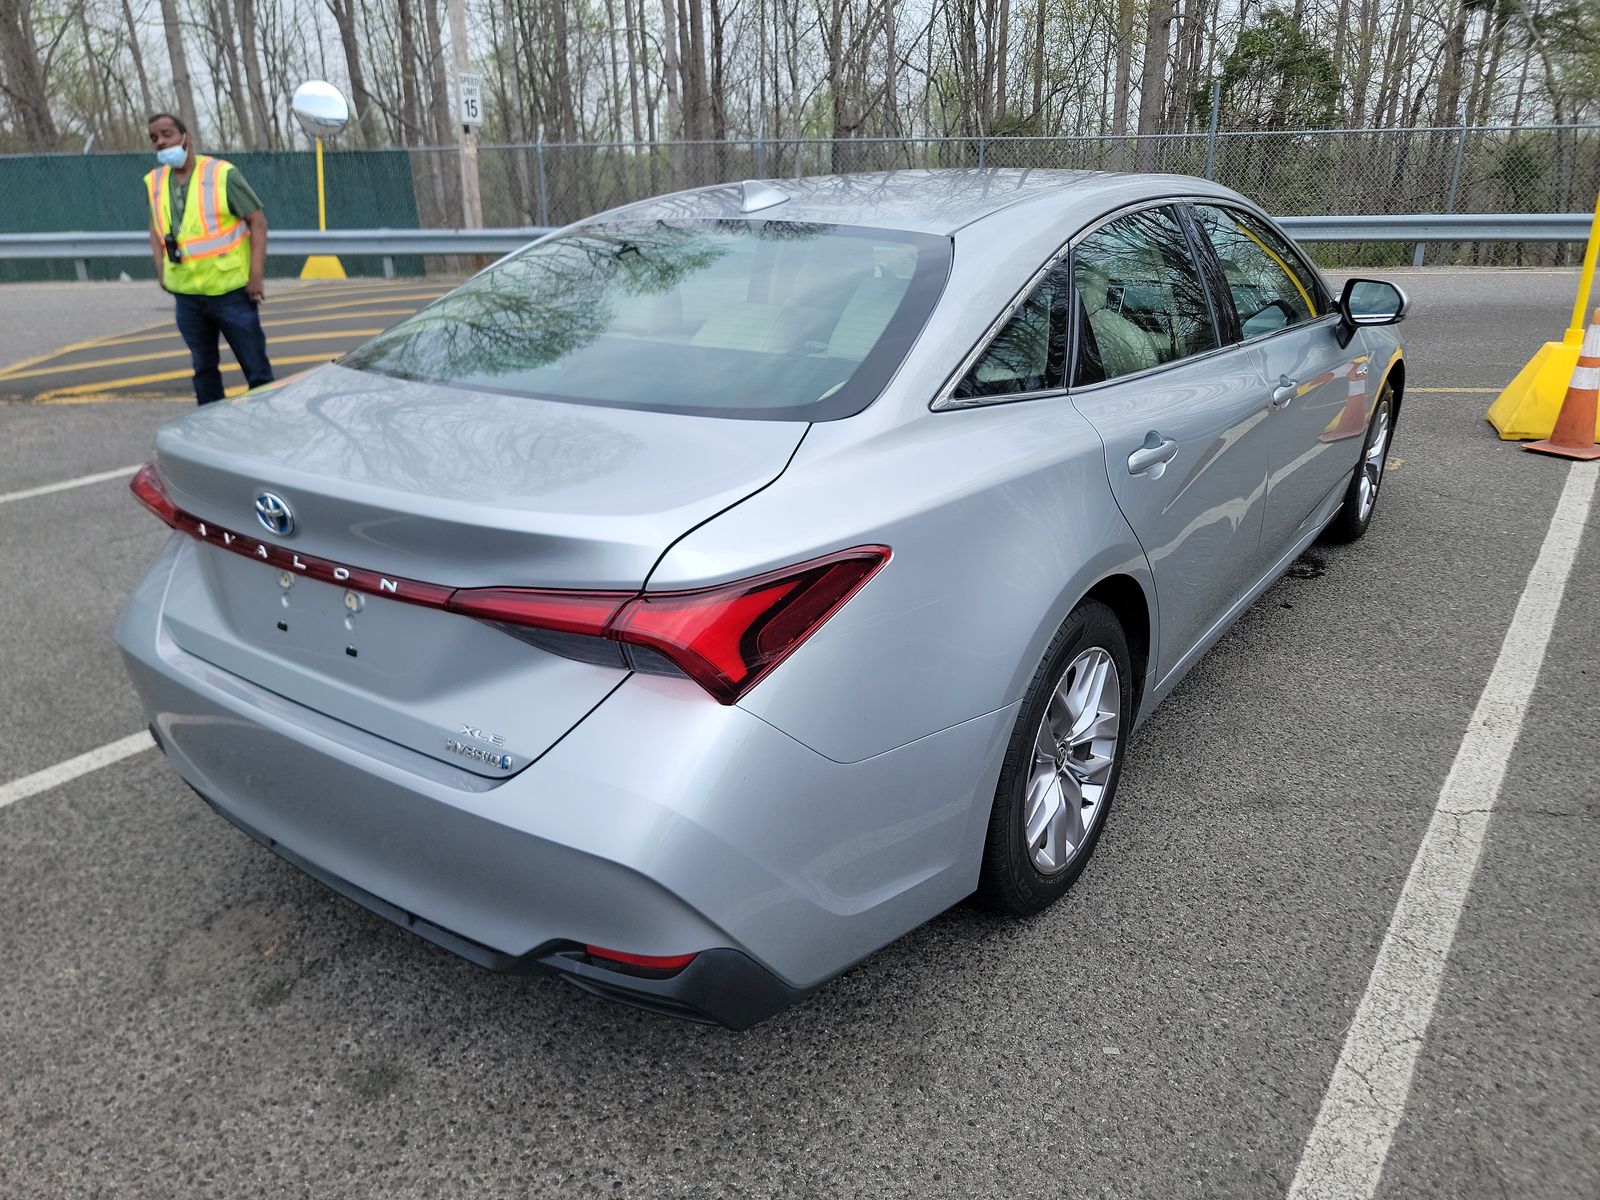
x: 182, y: 1014
x: 83, y: 342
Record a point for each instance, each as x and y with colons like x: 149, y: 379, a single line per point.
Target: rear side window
x: 1028, y: 353
x: 1142, y: 302
x: 764, y: 319
x: 1271, y: 287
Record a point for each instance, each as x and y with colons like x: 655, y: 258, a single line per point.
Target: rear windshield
x: 765, y: 319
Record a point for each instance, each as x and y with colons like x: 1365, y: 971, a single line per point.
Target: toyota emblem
x: 274, y: 514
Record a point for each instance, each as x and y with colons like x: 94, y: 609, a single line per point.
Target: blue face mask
x: 172, y: 156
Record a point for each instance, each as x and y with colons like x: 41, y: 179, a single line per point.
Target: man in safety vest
x: 208, y: 234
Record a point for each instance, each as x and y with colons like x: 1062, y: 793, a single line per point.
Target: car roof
x: 930, y: 201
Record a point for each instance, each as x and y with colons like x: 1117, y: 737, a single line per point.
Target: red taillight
x: 728, y: 638
x: 725, y: 638
x: 148, y: 489
x: 561, y: 612
x: 650, y: 962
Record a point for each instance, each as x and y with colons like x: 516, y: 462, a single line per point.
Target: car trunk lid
x: 421, y: 483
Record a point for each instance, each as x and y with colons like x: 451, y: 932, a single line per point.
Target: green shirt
x: 242, y: 198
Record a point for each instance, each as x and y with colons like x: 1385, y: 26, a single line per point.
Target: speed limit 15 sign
x: 470, y: 86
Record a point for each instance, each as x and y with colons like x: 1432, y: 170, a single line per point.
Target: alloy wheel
x: 1075, y: 748
x: 1372, y: 465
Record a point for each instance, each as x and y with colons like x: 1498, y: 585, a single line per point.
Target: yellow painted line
x: 39, y: 358
x: 1457, y: 391
x: 172, y: 332
x: 368, y: 289
x: 91, y: 391
x: 96, y: 363
x: 73, y: 348
x: 357, y: 303
x: 355, y: 316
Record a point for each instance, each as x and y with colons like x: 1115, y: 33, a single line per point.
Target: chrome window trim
x: 1325, y: 319
x: 944, y: 401
x: 1148, y: 372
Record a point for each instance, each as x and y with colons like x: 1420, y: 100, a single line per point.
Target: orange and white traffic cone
x: 1574, y: 434
x: 1352, y: 419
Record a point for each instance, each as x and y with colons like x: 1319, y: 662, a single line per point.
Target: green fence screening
x: 43, y: 193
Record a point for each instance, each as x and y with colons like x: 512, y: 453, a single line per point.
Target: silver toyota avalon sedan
x: 712, y: 591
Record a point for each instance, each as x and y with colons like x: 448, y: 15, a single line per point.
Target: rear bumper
x: 720, y: 987
x: 663, y: 824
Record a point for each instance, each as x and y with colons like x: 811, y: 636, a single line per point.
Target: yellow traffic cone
x: 1528, y: 406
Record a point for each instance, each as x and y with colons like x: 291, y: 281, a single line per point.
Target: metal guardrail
x: 1442, y: 227
x: 286, y: 243
x: 388, y: 243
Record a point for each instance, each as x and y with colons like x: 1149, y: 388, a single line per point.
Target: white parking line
x: 1344, y: 1156
x: 103, y: 756
x: 81, y: 481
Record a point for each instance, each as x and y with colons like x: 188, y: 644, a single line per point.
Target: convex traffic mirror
x: 320, y: 108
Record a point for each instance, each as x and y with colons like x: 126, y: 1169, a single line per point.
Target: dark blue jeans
x: 201, y: 318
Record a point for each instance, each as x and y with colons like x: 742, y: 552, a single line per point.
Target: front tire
x: 1062, y: 765
x: 1361, y: 496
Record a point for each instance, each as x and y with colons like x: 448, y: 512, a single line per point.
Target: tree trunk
x: 99, y: 103
x: 697, y: 63
x: 410, y: 87
x: 180, y: 66
x: 227, y: 51
x: 261, y: 139
x: 1124, y: 83
x: 1038, y: 65
x: 344, y: 16
x: 1153, y: 80
x: 642, y: 58
x: 1002, y: 60
x: 614, y: 75
x: 1483, y: 102
x: 1387, y: 107
x: 447, y: 180
x: 138, y: 59
x: 718, y: 104
x: 1447, y: 110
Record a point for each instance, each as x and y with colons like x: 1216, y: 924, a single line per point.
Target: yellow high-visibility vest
x: 214, y: 244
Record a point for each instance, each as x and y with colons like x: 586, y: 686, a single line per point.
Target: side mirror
x: 1369, y: 302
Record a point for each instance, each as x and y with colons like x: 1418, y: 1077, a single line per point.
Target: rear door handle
x: 1153, y: 456
x: 1286, y: 391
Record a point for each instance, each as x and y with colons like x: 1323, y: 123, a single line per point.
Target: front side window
x: 1271, y: 288
x: 763, y: 319
x: 1142, y: 302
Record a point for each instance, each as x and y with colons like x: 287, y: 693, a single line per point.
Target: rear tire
x: 1062, y: 765
x: 1361, y: 496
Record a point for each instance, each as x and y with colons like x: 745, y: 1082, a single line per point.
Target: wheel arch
x: 1395, y: 378
x: 1125, y: 596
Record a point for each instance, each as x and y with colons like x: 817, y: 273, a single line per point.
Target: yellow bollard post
x: 1528, y: 406
x: 322, y: 266
x: 1575, y: 331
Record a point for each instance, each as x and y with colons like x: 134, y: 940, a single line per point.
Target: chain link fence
x: 1494, y: 169
x: 1489, y: 169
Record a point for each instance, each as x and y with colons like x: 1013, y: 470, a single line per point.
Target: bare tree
x: 180, y: 65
